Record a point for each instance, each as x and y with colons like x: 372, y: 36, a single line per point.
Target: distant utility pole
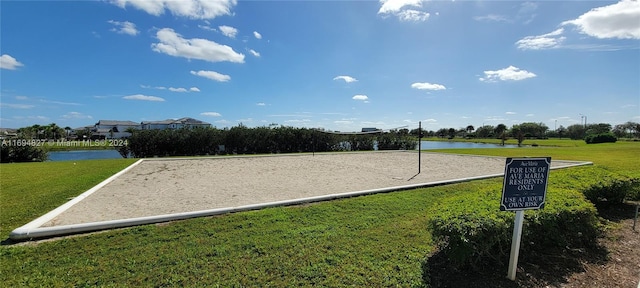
x: 585, y: 120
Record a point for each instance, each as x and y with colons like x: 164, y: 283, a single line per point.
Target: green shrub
x: 471, y: 230
x: 598, y: 184
x: 393, y: 141
x: 600, y: 138
x: 22, y: 153
x: 634, y: 192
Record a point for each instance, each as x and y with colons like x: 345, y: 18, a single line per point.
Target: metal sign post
x: 419, y: 144
x: 524, y: 188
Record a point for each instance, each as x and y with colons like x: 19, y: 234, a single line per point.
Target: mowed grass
x: 373, y: 241
x: 28, y: 190
x: 621, y: 157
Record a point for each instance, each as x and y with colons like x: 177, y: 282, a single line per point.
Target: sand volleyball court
x: 152, y: 190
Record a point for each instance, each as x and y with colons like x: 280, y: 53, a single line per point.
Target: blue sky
x: 338, y: 65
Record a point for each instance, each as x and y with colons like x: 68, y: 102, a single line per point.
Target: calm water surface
x: 83, y: 155
x: 113, y: 154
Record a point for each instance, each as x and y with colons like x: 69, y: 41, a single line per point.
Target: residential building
x: 185, y: 122
x: 113, y: 129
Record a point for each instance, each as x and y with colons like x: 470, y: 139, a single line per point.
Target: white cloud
x: 261, y: 104
x: 510, y: 113
x: 360, y: 97
x: 347, y: 79
x: 125, y: 27
x: 400, y: 9
x: 59, y: 102
x: 527, y: 12
x: 172, y: 43
x: 412, y: 15
x: 491, y: 17
x: 16, y: 106
x: 8, y: 62
x: 181, y: 90
x: 193, y: 9
x: 509, y: 73
x: 172, y: 89
x: 257, y: 35
x: 212, y: 75
x: 208, y: 28
x: 76, y: 115
x: 394, y: 6
x: 545, y: 41
x: 254, y: 52
x: 427, y: 86
x: 343, y: 122
x: 211, y: 114
x: 143, y: 98
x: 619, y: 20
x: 297, y: 121
x: 228, y: 31
x: 22, y: 97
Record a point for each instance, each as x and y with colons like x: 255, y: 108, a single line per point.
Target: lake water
x: 83, y: 155
x: 113, y: 154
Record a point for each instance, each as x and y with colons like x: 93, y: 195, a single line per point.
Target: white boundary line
x: 33, y: 230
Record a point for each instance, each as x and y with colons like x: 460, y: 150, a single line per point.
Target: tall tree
x: 470, y: 129
x: 500, y: 128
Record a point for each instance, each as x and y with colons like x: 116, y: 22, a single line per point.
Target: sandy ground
x: 166, y: 186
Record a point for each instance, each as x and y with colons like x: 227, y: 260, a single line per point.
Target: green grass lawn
x: 553, y: 142
x: 376, y: 241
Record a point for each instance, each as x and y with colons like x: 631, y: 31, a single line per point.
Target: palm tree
x: 499, y: 129
x: 67, y: 131
x: 470, y: 128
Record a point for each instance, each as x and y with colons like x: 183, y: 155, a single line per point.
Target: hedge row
x: 259, y: 140
x: 470, y: 229
x: 600, y: 138
x: 599, y: 185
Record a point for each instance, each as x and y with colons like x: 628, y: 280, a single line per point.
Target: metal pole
x: 636, y: 219
x: 515, y: 244
x: 419, y: 145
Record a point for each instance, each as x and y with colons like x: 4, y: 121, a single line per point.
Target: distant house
x: 371, y: 130
x: 185, y: 122
x: 7, y: 133
x: 113, y: 129
x: 156, y: 125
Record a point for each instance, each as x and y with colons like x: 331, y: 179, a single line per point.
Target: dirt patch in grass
x: 614, y: 263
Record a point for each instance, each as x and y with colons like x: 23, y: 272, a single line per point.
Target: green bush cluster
x: 389, y: 141
x: 22, y: 153
x: 599, y: 185
x: 600, y: 138
x: 259, y: 140
x: 470, y: 229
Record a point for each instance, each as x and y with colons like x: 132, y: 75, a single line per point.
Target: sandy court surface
x: 167, y: 186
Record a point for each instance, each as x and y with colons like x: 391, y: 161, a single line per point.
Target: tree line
x: 531, y: 130
x: 258, y: 140
x: 282, y: 139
